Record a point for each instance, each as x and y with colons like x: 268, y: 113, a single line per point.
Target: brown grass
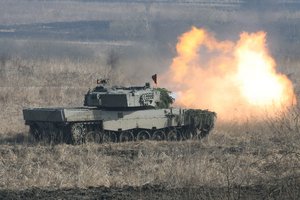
x: 42, y: 83
x: 233, y: 155
x: 221, y: 160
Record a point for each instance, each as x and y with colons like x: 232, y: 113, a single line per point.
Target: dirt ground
x: 154, y: 192
x: 188, y: 170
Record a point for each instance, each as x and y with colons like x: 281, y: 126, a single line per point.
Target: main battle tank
x: 118, y: 114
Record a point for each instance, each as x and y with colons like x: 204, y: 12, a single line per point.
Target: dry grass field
x: 258, y: 159
x: 236, y: 161
x: 233, y: 162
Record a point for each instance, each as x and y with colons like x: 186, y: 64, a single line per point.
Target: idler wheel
x: 78, y: 132
x: 126, y: 136
x: 143, y: 135
x: 158, y: 135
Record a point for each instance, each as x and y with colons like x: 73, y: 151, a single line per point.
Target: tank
x: 118, y: 114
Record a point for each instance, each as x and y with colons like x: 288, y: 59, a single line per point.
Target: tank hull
x: 81, y: 124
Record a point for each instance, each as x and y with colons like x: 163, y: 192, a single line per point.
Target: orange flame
x: 233, y: 79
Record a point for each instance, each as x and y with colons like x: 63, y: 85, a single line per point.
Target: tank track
x: 80, y: 133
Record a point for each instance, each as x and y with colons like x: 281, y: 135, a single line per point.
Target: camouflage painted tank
x: 118, y: 114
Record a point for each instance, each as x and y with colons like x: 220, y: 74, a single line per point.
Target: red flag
x: 154, y: 78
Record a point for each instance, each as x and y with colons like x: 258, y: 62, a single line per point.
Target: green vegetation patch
x: 166, y: 100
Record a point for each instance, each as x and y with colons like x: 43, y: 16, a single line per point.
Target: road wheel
x: 143, y: 135
x: 158, y: 135
x: 126, y: 136
x: 109, y: 136
x: 174, y: 135
x: 78, y: 132
x: 90, y: 137
x: 98, y: 137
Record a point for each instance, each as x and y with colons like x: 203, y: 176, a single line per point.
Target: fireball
x: 234, y: 79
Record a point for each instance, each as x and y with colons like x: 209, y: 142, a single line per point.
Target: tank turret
x: 139, y: 97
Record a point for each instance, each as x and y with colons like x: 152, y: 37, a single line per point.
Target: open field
x: 52, y: 51
x: 154, y: 192
x: 233, y: 162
